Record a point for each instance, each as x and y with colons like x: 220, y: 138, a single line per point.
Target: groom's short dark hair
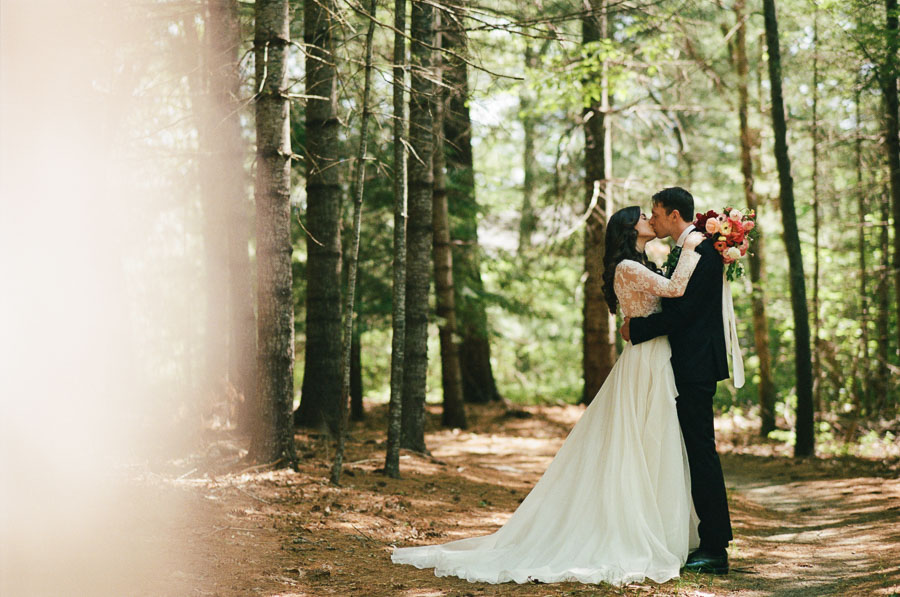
x: 676, y: 198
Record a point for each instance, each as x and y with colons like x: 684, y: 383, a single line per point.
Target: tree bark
x: 398, y: 289
x: 454, y: 413
x: 892, y: 138
x: 883, y: 319
x: 817, y: 343
x: 805, y: 438
x: 474, y: 350
x: 205, y: 108
x: 599, y: 352
x: 273, y: 440
x: 358, y: 187
x: 357, y: 412
x: 527, y: 101
x: 321, y: 393
x: 230, y: 151
x: 861, y: 396
x: 419, y: 226
x: 766, y: 389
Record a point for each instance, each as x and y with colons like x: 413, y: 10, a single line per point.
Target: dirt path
x: 824, y: 527
x: 828, y: 528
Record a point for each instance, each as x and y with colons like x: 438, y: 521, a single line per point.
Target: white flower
x: 736, y: 215
x: 733, y: 253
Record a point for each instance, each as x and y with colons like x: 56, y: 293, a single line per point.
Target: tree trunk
x: 527, y: 103
x: 357, y: 412
x: 756, y: 257
x: 358, y: 187
x: 760, y: 60
x: 599, y: 352
x: 892, y: 139
x: 419, y: 226
x: 204, y: 104
x: 321, y: 394
x: 817, y: 343
x: 224, y: 32
x: 475, y: 351
x: 273, y: 440
x: 454, y: 413
x: 805, y: 438
x: 882, y: 320
x: 861, y: 396
x: 398, y: 290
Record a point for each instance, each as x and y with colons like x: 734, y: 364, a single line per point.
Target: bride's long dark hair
x: 621, y: 243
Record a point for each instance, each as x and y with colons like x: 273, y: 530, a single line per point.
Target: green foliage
x: 537, y: 328
x: 674, y: 121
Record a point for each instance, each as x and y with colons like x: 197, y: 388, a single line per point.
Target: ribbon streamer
x: 732, y: 344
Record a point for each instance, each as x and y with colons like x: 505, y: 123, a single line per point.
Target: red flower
x: 737, y: 236
x: 720, y: 245
x: 700, y: 221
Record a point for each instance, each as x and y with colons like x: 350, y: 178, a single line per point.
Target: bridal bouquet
x: 732, y: 231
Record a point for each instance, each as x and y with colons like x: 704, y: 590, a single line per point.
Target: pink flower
x: 712, y: 225
x: 744, y: 246
x: 749, y: 225
x: 735, y: 215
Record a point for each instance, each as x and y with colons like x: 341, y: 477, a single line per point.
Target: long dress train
x: 614, y: 505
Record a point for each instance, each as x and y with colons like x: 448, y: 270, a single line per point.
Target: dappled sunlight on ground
x: 815, y: 532
x: 820, y: 527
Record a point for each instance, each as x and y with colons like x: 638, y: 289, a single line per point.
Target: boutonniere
x: 671, y: 261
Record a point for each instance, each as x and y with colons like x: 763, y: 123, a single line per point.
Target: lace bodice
x: 638, y: 289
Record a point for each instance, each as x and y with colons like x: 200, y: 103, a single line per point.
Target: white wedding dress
x: 615, y: 504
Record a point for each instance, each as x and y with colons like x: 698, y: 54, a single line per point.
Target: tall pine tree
x: 805, y: 439
x: 419, y: 226
x: 273, y: 438
x: 321, y: 393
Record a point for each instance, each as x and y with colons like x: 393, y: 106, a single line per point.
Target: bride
x: 615, y: 504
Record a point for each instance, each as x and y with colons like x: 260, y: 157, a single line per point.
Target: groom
x: 696, y: 333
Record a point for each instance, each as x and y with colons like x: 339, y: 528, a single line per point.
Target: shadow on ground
x: 815, y: 527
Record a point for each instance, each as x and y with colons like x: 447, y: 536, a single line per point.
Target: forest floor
x: 827, y: 526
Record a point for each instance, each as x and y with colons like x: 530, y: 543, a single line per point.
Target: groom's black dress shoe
x: 708, y: 561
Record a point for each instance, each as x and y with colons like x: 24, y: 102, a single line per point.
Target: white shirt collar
x: 684, y: 235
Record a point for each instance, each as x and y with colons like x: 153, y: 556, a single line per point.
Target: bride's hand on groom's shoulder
x: 694, y: 239
x: 625, y: 330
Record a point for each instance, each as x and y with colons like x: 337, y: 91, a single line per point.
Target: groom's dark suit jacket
x: 693, y: 323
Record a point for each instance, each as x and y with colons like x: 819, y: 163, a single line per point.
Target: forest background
x: 681, y: 93
x: 180, y: 178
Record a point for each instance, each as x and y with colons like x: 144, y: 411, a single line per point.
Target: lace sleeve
x: 638, y: 277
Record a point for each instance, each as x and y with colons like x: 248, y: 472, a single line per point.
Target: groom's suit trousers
x: 695, y: 414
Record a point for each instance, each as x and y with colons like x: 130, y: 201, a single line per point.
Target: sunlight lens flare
x: 101, y: 296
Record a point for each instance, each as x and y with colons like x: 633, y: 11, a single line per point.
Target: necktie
x: 672, y: 261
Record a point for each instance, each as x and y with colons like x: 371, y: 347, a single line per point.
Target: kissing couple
x: 636, y: 491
